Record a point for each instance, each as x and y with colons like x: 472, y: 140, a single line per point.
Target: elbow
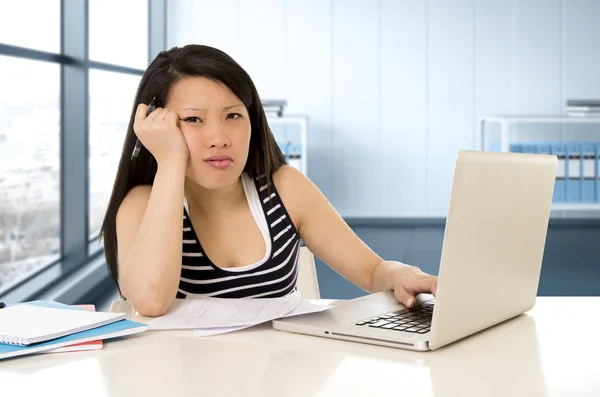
x: 149, y: 302
x: 151, y: 307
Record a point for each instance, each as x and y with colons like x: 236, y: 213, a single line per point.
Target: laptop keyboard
x: 416, y: 320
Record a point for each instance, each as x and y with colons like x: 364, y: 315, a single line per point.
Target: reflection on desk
x: 531, y: 355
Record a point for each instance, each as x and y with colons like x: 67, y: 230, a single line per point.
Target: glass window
x: 29, y: 167
x: 119, y: 32
x: 31, y: 23
x: 111, y: 104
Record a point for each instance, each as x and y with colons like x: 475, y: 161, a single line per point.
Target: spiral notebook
x: 24, y: 325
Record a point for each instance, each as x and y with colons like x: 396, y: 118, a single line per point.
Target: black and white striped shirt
x: 273, y: 276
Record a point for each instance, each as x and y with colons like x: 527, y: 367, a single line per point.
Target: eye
x: 233, y: 116
x: 192, y: 119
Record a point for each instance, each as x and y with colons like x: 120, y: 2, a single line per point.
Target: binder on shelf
x: 560, y: 192
x: 515, y: 147
x: 544, y: 148
x: 574, y: 172
x: 528, y: 148
x: 588, y: 183
x: 597, y: 176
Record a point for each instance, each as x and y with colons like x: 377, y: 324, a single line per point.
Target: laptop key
x: 379, y: 324
x: 423, y: 331
x: 400, y: 328
x: 388, y: 326
x: 361, y: 323
x: 412, y: 329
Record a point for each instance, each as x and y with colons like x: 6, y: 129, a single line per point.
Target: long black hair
x: 166, y: 69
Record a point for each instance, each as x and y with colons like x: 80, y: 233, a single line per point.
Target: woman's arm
x: 149, y: 236
x: 328, y: 236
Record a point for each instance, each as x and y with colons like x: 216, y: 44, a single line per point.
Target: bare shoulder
x: 297, y: 192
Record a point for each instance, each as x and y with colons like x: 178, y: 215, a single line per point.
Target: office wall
x: 393, y: 88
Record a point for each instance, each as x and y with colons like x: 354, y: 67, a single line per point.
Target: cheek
x: 193, y: 141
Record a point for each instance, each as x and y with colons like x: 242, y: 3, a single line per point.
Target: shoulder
x: 296, y: 191
x: 290, y: 181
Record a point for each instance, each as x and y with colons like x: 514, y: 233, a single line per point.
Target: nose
x: 217, y: 138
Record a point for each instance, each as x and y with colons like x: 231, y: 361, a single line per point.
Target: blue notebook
x: 113, y: 330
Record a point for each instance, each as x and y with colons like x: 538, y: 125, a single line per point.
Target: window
x: 69, y: 72
x: 33, y: 24
x: 111, y: 104
x: 29, y: 167
x: 119, y: 32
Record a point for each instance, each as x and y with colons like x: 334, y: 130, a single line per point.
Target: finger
x: 404, y: 296
x: 140, y: 113
x: 172, y: 117
x: 167, y: 114
x: 156, y: 115
x: 426, y: 284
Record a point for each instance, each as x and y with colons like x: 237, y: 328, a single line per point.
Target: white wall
x: 393, y: 88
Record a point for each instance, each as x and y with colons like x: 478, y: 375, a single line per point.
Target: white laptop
x: 490, y: 265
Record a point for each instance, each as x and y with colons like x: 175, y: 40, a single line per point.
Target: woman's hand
x: 160, y: 134
x: 406, y: 281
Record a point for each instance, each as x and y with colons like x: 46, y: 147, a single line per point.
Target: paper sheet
x: 304, y: 307
x: 200, y: 332
x: 214, y: 313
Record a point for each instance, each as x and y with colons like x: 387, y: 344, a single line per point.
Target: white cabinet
x: 290, y: 134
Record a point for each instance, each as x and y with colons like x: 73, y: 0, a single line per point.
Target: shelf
x: 301, y: 126
x: 507, y: 121
x: 575, y: 206
x: 541, y: 119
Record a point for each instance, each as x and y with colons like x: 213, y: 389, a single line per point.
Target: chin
x: 215, y: 180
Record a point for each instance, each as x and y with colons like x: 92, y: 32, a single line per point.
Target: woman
x: 209, y: 207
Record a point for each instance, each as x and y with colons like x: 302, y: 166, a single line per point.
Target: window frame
x: 77, y: 250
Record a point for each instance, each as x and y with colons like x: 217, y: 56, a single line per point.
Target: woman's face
x: 216, y: 127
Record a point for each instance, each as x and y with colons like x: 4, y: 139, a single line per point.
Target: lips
x: 219, y: 162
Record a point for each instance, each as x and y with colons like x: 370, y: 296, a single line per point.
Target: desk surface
x: 550, y: 351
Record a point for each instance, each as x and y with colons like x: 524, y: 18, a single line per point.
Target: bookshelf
x: 507, y: 122
x: 291, y: 135
x: 502, y: 140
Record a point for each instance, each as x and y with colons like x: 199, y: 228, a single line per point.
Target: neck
x: 211, y: 201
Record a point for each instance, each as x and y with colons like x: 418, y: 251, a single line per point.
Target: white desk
x: 553, y: 350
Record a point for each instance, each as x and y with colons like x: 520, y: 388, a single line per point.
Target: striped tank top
x: 273, y: 276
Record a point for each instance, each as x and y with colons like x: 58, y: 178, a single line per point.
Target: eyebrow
x: 225, y: 108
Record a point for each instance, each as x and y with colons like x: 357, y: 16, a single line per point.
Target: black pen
x: 138, y: 144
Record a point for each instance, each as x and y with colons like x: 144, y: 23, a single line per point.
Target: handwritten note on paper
x: 214, y: 313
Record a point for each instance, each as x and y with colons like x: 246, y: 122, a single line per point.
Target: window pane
x: 111, y: 103
x: 119, y: 32
x: 29, y: 167
x: 31, y: 23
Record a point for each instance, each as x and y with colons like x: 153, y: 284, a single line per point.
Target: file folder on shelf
x: 544, y: 148
x: 528, y: 148
x: 597, y: 169
x: 560, y: 193
x: 588, y: 183
x: 574, y: 166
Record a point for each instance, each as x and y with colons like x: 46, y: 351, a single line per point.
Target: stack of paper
x: 85, y: 346
x: 212, y: 316
x: 40, y: 326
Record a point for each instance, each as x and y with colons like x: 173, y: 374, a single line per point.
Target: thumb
x: 404, y: 297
